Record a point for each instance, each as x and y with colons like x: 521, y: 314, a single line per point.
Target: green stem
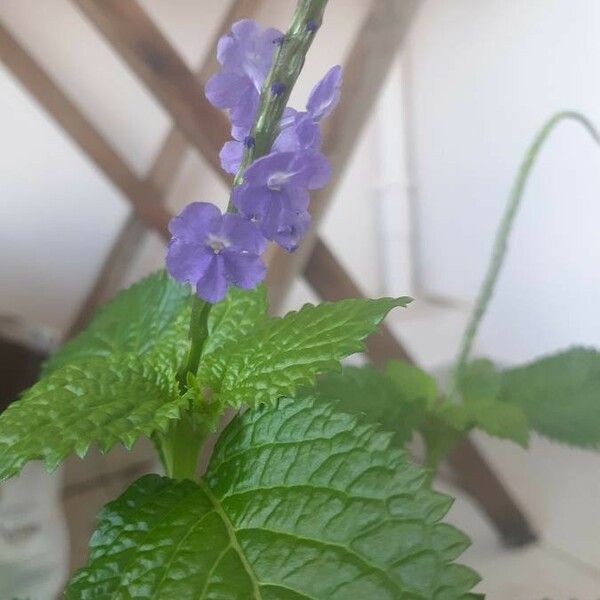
x: 501, y: 242
x: 198, y: 334
x: 287, y: 64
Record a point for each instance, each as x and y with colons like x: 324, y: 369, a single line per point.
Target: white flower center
x: 217, y: 243
x: 278, y: 179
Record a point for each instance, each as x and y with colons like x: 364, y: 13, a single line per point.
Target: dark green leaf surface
x: 560, y: 395
x: 397, y: 400
x: 97, y: 400
x: 149, y: 319
x: 283, y: 353
x: 299, y: 503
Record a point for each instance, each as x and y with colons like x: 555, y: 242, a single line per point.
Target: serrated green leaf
x: 283, y: 353
x: 397, y: 399
x: 97, y: 400
x: 560, y: 394
x: 234, y: 317
x: 149, y: 319
x: 299, y: 503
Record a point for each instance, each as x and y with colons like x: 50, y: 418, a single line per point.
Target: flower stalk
x: 180, y: 446
x: 277, y: 87
x: 501, y: 241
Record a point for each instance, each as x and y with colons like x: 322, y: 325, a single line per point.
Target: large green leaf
x: 149, y: 319
x: 283, y: 353
x: 560, y: 395
x: 397, y: 399
x: 96, y: 400
x: 299, y: 503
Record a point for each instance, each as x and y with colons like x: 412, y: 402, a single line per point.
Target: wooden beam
x: 165, y: 168
x: 370, y: 59
x: 149, y: 54
x: 473, y: 474
x: 81, y: 130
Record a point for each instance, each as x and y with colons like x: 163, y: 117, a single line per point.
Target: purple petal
x: 262, y: 169
x: 292, y: 227
x: 195, y: 222
x: 302, y: 133
x: 231, y: 156
x: 289, y: 117
x: 260, y: 205
x: 212, y: 285
x: 251, y: 201
x: 244, y: 270
x: 243, y: 113
x: 296, y: 200
x: 325, y: 95
x: 187, y: 262
x: 316, y: 170
x: 245, y: 29
x: 227, y: 90
x: 243, y: 235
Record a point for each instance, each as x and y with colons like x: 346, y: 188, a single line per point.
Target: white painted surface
x: 484, y: 77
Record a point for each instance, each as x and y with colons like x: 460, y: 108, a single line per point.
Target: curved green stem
x: 500, y: 244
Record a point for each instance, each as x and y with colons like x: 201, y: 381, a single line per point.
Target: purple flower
x: 212, y: 251
x: 274, y: 193
x: 246, y: 55
x: 326, y: 94
x: 300, y: 130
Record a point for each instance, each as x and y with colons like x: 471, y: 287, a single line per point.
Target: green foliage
x: 480, y: 385
x: 397, y: 399
x: 281, y: 354
x: 148, y: 320
x: 299, y: 502
x: 237, y: 315
x: 96, y: 400
x: 560, y: 394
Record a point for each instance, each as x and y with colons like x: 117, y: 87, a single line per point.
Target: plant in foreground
x: 299, y: 499
x: 304, y: 496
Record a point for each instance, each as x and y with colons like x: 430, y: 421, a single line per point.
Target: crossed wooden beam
x: 196, y: 123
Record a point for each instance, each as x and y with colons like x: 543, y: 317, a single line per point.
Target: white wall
x: 484, y: 76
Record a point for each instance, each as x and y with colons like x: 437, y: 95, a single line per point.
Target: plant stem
x: 501, y: 242
x: 287, y: 64
x: 198, y: 333
x: 179, y: 447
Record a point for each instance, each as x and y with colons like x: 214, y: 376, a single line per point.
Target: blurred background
x: 415, y: 213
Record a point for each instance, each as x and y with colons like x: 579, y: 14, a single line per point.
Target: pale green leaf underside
x: 398, y: 403
x: 150, y: 320
x: 298, y: 503
x: 560, y: 395
x: 97, y: 400
x: 283, y: 353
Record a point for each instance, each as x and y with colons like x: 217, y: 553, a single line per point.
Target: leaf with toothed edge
x: 283, y: 353
x: 299, y: 503
x: 99, y: 400
x: 149, y: 319
x: 560, y: 394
